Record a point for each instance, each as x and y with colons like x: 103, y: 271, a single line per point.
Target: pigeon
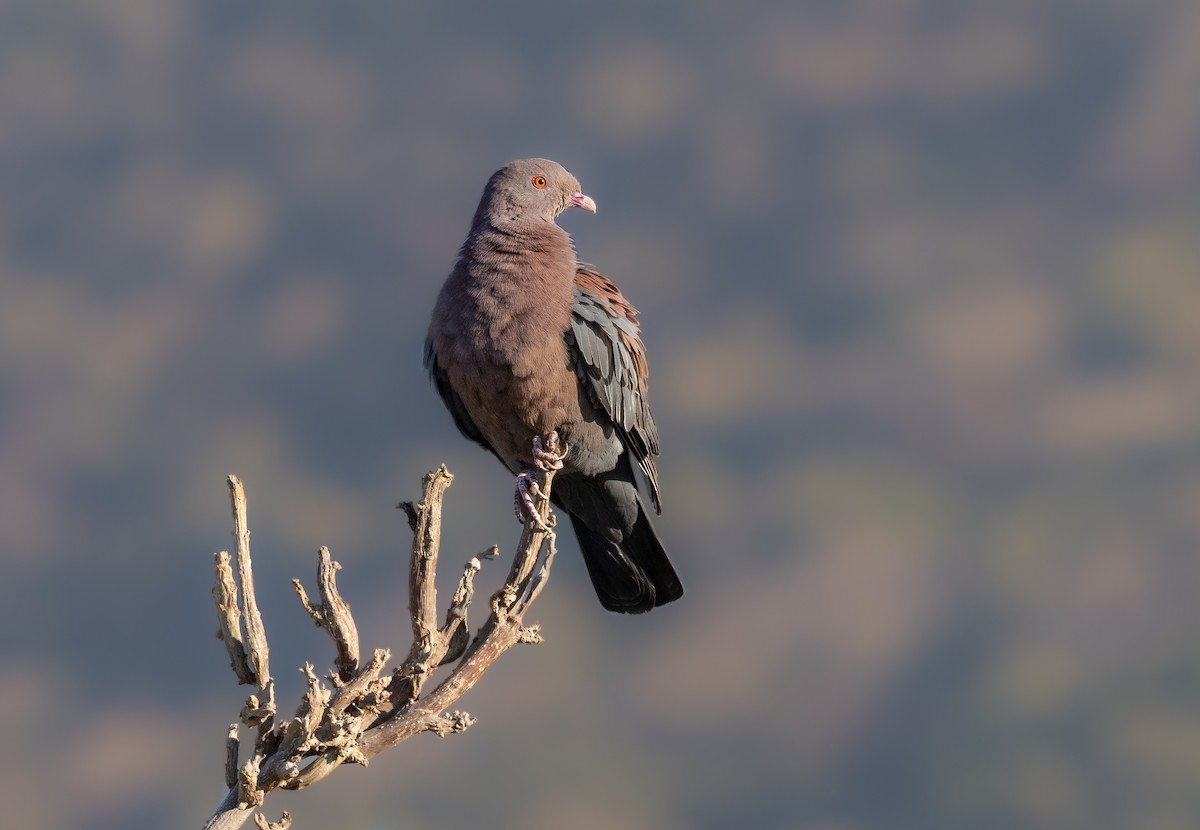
x: 538, y: 359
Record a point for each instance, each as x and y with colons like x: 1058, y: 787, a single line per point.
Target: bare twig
x: 285, y: 821
x: 365, y: 712
x: 231, y: 756
x: 256, y: 634
x: 229, y: 618
x: 333, y: 614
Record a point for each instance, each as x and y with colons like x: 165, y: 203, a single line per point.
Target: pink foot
x: 523, y: 500
x: 546, y: 457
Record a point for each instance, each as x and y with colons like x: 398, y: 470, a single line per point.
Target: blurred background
x: 920, y: 284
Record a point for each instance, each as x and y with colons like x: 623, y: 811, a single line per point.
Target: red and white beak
x: 579, y: 200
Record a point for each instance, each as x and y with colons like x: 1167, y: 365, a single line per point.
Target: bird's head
x: 531, y: 189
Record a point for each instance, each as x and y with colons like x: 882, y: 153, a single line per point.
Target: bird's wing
x: 458, y: 410
x: 610, y: 361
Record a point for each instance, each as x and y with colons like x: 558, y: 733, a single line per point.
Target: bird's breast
x: 502, y: 346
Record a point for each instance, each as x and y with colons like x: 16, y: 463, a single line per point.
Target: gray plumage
x: 524, y: 340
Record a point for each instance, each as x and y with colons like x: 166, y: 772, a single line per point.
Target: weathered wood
x: 365, y: 713
x: 333, y: 614
x: 256, y: 633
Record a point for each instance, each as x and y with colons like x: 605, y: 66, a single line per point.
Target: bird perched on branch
x: 525, y: 343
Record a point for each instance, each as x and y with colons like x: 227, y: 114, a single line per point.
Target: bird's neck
x: 505, y: 237
x: 528, y: 254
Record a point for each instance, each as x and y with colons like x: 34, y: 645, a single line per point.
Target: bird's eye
x: 539, y: 182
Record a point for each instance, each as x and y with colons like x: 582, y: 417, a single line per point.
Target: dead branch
x: 333, y: 614
x: 361, y: 711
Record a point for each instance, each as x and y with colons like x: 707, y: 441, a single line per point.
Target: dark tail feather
x: 633, y: 576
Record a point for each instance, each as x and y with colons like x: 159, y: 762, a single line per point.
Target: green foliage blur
x: 920, y: 285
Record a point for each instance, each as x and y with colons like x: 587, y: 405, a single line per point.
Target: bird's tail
x: 633, y: 575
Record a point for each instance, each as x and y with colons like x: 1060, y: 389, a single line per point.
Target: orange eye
x: 539, y: 182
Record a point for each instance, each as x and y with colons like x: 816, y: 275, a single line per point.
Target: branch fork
x: 361, y: 711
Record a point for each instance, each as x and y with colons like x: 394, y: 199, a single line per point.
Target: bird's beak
x: 581, y: 201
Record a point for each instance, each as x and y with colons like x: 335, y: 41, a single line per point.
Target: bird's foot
x: 548, y: 456
x: 523, y: 500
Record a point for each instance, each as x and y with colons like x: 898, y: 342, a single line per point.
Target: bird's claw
x: 548, y: 456
x: 523, y: 500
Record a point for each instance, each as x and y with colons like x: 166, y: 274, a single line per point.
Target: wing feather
x: 458, y: 410
x: 610, y: 361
